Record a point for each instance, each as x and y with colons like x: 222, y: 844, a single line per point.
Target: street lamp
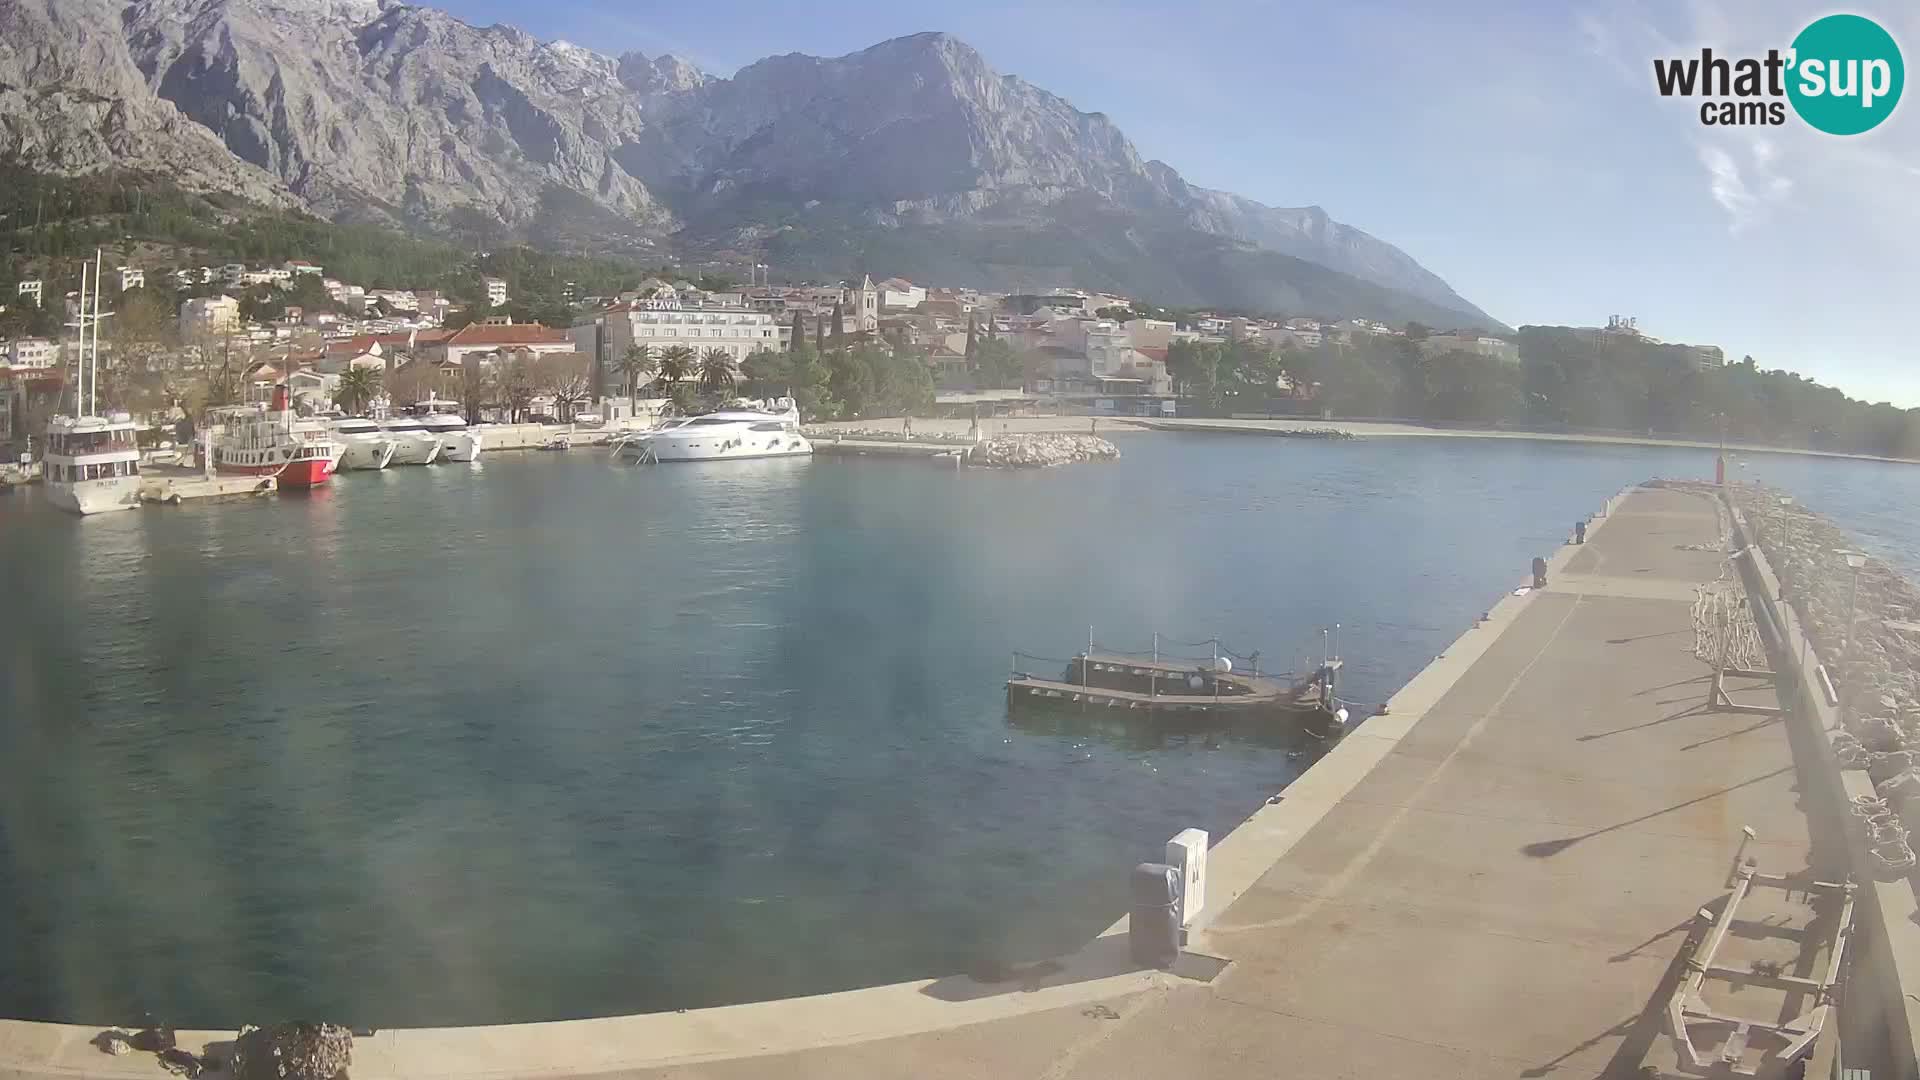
x: 1855, y: 560
x: 1786, y: 518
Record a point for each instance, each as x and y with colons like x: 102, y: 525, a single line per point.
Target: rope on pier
x: 1243, y: 661
x: 1724, y: 632
x: 1018, y: 655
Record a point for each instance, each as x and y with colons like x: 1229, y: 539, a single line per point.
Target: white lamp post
x: 1855, y: 560
x: 1786, y: 518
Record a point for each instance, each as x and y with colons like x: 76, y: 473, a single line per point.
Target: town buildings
x: 204, y: 315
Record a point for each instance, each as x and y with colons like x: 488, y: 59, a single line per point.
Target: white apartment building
x: 209, y: 315
x: 496, y: 291
x: 901, y: 293
x: 132, y: 278
x: 232, y: 273
x: 32, y: 353
x: 296, y: 266
x: 397, y: 299
x: 29, y: 287
x: 663, y: 323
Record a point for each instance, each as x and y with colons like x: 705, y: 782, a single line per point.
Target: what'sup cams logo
x: 1843, y: 75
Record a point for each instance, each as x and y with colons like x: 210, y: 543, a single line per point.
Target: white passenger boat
x: 413, y: 444
x: 769, y: 429
x: 362, y: 444
x: 458, y: 441
x: 92, y: 463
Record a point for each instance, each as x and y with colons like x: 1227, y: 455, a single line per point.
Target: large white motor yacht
x: 362, y: 444
x: 413, y: 444
x: 769, y: 429
x: 92, y: 463
x: 458, y: 442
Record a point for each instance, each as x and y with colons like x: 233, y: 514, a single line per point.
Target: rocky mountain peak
x: 666, y: 74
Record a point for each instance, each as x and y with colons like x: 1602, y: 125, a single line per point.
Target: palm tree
x: 718, y: 373
x: 637, y: 365
x: 358, y: 386
x: 676, y: 363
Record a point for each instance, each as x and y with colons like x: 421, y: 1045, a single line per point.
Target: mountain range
x: 913, y: 157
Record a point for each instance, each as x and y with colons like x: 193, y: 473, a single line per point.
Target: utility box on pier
x: 1187, y: 853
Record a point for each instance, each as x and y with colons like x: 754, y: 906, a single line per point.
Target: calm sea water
x: 553, y: 738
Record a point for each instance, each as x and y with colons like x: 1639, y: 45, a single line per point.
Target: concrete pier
x: 1496, y: 878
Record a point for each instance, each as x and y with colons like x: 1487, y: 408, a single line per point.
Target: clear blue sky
x: 1518, y: 150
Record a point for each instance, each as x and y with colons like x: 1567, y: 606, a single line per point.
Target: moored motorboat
x: 458, y: 440
x: 770, y: 429
x: 413, y: 444
x: 362, y: 444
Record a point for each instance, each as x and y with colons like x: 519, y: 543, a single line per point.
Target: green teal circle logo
x: 1846, y: 75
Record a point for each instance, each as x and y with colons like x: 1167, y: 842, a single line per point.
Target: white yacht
x: 770, y: 429
x: 458, y: 442
x: 92, y: 464
x: 413, y: 444
x: 362, y: 444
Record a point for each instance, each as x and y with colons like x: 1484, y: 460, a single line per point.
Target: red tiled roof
x: 516, y: 334
x: 361, y: 343
x: 1153, y: 352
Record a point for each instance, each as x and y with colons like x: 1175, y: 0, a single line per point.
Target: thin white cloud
x: 1745, y: 193
x: 1729, y: 187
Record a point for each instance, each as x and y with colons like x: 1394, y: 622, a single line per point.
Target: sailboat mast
x: 93, y: 375
x: 80, y: 361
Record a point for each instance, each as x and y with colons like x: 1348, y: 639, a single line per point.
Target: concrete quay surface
x: 1493, y: 879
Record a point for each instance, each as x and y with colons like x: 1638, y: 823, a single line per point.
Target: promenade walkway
x: 1493, y: 880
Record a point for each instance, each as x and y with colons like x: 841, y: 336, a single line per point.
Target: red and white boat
x: 267, y: 440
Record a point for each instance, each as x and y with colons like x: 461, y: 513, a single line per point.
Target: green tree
x: 766, y: 373
x: 676, y: 363
x: 718, y: 374
x: 996, y: 365
x: 636, y: 365
x: 358, y: 387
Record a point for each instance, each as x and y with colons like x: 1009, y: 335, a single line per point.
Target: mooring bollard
x: 1539, y: 572
x: 1153, y: 924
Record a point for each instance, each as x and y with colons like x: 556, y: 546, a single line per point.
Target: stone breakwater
x: 1040, y: 451
x: 1876, y: 673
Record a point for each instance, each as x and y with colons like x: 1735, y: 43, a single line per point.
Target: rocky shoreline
x: 1876, y: 674
x: 1040, y: 451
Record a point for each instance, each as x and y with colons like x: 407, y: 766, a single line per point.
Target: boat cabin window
x: 774, y: 426
x: 87, y: 442
x: 712, y: 420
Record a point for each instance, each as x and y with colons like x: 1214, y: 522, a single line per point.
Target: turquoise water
x: 553, y: 738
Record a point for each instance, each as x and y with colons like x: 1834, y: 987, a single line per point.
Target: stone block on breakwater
x: 295, y: 1051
